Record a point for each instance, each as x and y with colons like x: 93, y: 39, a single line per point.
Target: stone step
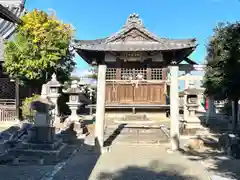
x: 6, y: 158
x: 135, y: 130
x: 23, y: 158
x: 37, y: 152
x: 53, y: 146
x: 154, y: 138
x: 162, y: 136
x: 135, y: 125
x: 137, y: 117
x: 136, y: 133
x: 27, y: 160
x: 138, y: 139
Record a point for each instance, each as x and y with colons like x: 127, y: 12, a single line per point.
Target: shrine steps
x: 136, y: 134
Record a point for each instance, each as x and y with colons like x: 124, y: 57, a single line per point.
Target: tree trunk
x: 235, y: 114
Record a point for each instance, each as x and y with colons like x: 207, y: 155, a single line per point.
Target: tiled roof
x: 134, y: 37
x: 16, y: 7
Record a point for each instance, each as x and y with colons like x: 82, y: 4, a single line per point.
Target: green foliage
x: 26, y: 111
x: 72, y: 78
x: 223, y: 66
x: 94, y: 74
x: 40, y: 48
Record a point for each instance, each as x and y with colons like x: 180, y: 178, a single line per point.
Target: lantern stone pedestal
x: 192, y: 121
x: 73, y: 107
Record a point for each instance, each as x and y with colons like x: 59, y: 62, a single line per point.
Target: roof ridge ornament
x: 134, y: 19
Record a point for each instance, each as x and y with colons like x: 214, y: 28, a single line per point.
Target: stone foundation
x: 156, y: 116
x: 189, y: 132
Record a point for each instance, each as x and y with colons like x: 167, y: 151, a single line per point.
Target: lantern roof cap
x: 54, y: 82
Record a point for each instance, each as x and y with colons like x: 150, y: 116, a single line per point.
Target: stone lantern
x: 54, y: 92
x: 192, y: 104
x: 74, y: 100
x: 74, y: 103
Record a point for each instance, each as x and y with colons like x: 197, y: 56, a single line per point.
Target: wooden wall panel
x: 148, y: 93
x: 156, y: 94
x: 125, y: 93
x: 111, y: 93
x: 141, y: 94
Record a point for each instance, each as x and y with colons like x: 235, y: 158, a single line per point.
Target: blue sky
x: 94, y: 19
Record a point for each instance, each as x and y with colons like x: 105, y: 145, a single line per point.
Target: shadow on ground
x: 113, y: 136
x: 81, y: 164
x: 169, y: 171
x: 214, y: 159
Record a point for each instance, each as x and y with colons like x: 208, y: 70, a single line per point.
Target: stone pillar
x: 186, y: 84
x: 186, y: 79
x: 185, y: 109
x: 238, y: 117
x: 100, y: 108
x: 174, y: 108
x: 200, y: 99
x: 211, y: 112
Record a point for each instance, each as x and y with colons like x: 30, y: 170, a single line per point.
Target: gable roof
x: 133, y: 36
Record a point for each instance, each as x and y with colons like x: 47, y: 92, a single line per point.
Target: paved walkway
x: 123, y: 162
x: 126, y: 162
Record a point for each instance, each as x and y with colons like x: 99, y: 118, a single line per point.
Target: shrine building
x: 137, y: 64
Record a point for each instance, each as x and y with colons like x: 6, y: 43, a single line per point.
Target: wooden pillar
x: 174, y: 108
x: 118, y: 69
x: 100, y: 108
x: 164, y: 77
x: 164, y: 74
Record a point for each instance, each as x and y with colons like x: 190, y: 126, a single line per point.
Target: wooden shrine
x: 137, y: 63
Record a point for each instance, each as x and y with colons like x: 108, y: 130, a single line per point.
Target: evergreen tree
x: 222, y: 77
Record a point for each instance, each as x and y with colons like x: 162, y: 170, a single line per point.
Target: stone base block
x: 4, y: 147
x: 53, y: 153
x: 189, y: 132
x: 193, y: 126
x: 46, y: 146
x: 41, y: 135
x: 193, y: 123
